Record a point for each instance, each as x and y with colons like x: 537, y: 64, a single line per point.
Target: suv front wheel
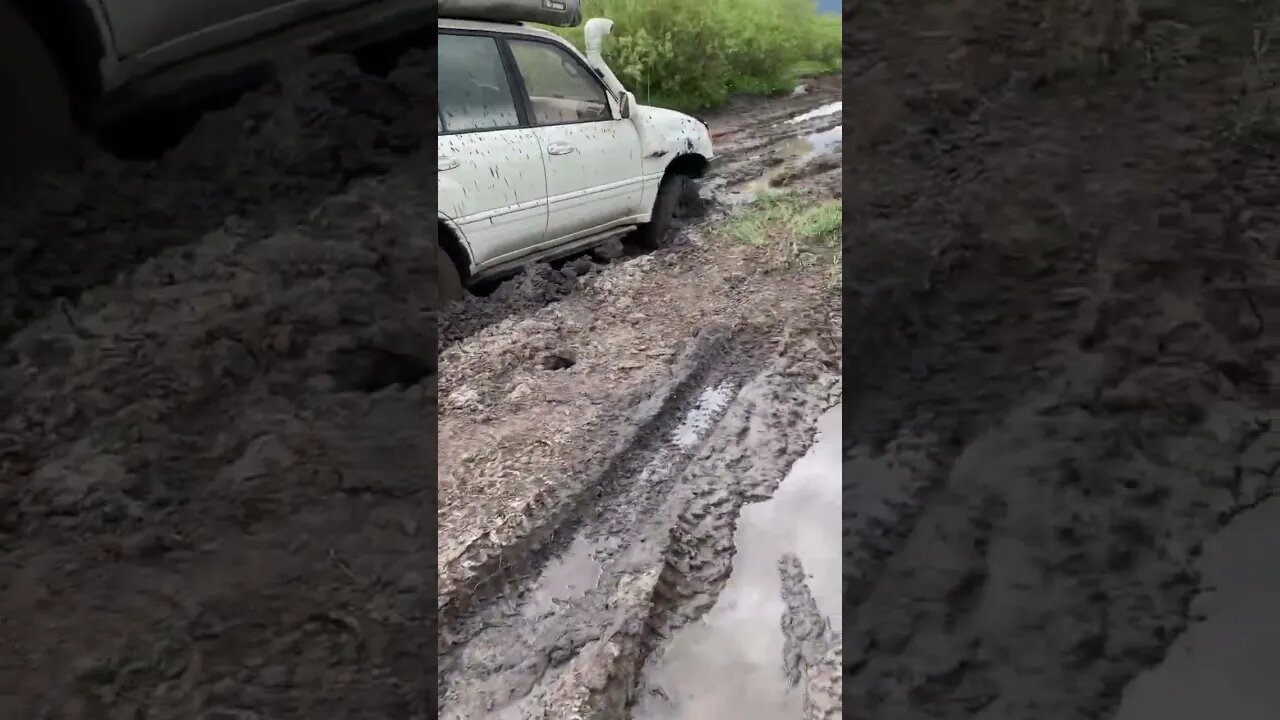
x: 662, y: 226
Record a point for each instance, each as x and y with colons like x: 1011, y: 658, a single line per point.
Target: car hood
x: 665, y: 131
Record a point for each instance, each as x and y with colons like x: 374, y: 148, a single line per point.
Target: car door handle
x: 444, y: 162
x: 560, y: 149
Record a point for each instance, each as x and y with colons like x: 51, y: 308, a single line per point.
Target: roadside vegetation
x: 694, y: 55
x: 791, y: 231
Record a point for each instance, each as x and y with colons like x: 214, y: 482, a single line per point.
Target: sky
x: 829, y: 6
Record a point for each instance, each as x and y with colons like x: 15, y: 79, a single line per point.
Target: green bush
x: 694, y: 54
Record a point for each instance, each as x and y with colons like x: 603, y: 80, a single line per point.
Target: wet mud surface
x: 728, y: 663
x: 1061, y: 307
x: 1221, y: 664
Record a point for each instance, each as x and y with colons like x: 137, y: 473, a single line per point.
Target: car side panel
x: 598, y: 183
x: 493, y: 185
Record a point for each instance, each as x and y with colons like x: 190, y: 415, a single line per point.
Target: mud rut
x: 659, y: 527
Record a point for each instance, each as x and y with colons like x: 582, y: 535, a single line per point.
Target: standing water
x: 728, y: 665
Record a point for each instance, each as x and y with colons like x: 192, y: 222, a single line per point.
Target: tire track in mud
x: 488, y: 567
x: 659, y: 545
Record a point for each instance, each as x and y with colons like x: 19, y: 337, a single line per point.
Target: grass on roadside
x: 694, y: 55
x: 791, y: 231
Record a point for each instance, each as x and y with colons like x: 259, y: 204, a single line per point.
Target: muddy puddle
x: 794, y: 155
x: 833, y: 108
x: 1224, y: 666
x: 730, y: 664
x: 566, y: 578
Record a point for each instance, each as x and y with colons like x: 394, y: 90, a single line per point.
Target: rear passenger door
x: 593, y: 159
x: 491, y: 179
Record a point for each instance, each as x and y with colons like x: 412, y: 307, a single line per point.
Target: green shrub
x: 694, y: 54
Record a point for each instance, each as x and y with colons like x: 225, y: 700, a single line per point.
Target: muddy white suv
x: 542, y: 152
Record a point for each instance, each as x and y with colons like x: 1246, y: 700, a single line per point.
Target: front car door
x: 593, y: 160
x: 491, y: 181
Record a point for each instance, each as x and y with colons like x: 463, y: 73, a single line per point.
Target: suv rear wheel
x: 448, y: 279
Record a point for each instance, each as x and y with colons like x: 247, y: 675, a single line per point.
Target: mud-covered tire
x: 661, y: 226
x: 448, y: 279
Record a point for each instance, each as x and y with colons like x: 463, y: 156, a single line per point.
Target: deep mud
x: 598, y: 445
x: 1061, y: 298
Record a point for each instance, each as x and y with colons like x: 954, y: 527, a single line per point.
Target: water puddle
x: 1226, y: 665
x: 828, y: 109
x: 571, y: 575
x: 728, y: 665
x: 825, y: 142
x: 799, y: 152
x: 711, y: 403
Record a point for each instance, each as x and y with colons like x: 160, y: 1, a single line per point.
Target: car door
x: 491, y: 184
x: 592, y: 158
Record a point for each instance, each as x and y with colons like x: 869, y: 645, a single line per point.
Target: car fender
x: 667, y: 134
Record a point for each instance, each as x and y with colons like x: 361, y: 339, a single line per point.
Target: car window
x: 474, y: 92
x: 560, y: 87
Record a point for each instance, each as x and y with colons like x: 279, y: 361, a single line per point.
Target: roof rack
x: 560, y: 13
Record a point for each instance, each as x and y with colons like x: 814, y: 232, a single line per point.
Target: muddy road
x: 1061, y: 317
x: 218, y: 385
x: 603, y: 425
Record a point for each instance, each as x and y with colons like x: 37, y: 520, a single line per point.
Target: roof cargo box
x: 561, y: 13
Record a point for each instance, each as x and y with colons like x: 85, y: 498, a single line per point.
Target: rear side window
x: 562, y: 90
x: 474, y: 93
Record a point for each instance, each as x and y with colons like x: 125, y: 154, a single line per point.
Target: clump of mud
x: 811, y: 647
x: 267, y: 160
x: 531, y: 290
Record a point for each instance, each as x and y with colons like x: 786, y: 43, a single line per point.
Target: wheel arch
x: 692, y: 164
x: 450, y: 239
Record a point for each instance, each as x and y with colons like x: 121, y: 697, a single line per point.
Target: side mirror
x: 624, y: 106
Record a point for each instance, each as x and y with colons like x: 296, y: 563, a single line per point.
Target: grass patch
x: 791, y: 231
x: 694, y: 55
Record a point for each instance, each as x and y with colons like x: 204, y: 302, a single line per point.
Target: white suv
x: 543, y: 153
